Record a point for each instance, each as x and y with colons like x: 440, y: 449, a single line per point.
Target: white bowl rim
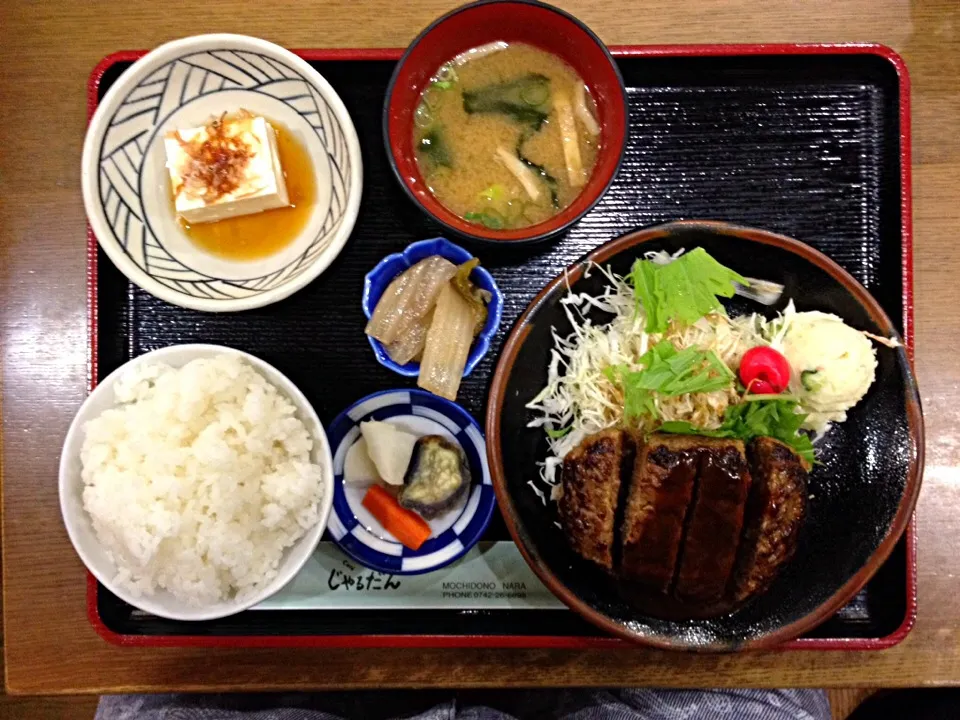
x: 170, y: 51
x: 313, y: 536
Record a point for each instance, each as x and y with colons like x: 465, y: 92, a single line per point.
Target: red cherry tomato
x: 764, y: 371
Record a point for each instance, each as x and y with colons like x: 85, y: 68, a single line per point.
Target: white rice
x: 199, y: 479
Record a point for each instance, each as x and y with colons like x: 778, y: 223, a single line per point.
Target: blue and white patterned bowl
x: 126, y: 189
x: 359, y: 534
x: 377, y: 280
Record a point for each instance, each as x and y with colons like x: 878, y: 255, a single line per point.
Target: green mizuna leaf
x: 761, y: 418
x: 683, y: 290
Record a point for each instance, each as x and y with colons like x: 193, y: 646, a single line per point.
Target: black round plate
x: 861, y: 494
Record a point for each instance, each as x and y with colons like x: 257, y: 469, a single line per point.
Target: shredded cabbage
x: 611, y: 333
x: 580, y: 394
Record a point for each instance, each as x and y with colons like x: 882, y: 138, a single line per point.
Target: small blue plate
x: 377, y: 280
x: 359, y: 534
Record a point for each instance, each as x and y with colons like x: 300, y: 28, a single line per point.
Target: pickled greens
x: 431, y: 313
x: 448, y: 344
x: 409, y: 298
x: 475, y: 297
x: 409, y: 346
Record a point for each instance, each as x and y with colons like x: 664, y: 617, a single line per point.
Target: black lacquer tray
x: 807, y: 141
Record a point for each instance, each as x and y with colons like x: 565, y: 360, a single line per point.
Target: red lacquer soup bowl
x: 513, y: 21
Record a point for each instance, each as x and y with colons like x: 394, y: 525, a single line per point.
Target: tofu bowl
x: 221, y: 173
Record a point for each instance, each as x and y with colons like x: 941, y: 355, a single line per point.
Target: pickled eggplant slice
x: 437, y: 478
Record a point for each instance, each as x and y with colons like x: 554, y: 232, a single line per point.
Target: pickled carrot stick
x: 406, y: 526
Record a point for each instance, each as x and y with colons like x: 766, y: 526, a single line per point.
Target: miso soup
x: 506, y: 135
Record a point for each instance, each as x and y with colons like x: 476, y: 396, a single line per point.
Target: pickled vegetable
x: 409, y: 346
x: 448, y: 344
x: 404, y: 525
x: 475, y: 297
x: 438, y: 477
x: 409, y: 298
x: 358, y: 466
x: 389, y: 449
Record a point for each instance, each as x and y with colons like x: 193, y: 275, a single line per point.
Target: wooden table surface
x: 46, y: 53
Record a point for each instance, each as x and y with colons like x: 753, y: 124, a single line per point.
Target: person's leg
x: 369, y: 705
x: 629, y: 704
x: 719, y: 704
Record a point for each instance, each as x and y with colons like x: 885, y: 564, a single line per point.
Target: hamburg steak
x: 775, y: 512
x: 659, y: 495
x: 591, y: 489
x: 716, y: 519
x: 685, y: 520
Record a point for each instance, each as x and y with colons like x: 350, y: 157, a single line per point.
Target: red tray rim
x: 537, y: 641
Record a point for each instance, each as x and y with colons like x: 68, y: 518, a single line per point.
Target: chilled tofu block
x: 228, y: 168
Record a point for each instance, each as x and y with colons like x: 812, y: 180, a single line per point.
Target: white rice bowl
x: 204, y: 484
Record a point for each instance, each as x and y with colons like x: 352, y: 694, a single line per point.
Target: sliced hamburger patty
x: 775, y: 512
x: 715, y: 522
x: 591, y: 480
x: 691, y: 518
x: 660, y: 492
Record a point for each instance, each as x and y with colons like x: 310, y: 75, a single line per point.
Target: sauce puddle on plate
x: 251, y: 237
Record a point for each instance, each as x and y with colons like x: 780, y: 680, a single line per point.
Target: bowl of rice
x: 195, y: 482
